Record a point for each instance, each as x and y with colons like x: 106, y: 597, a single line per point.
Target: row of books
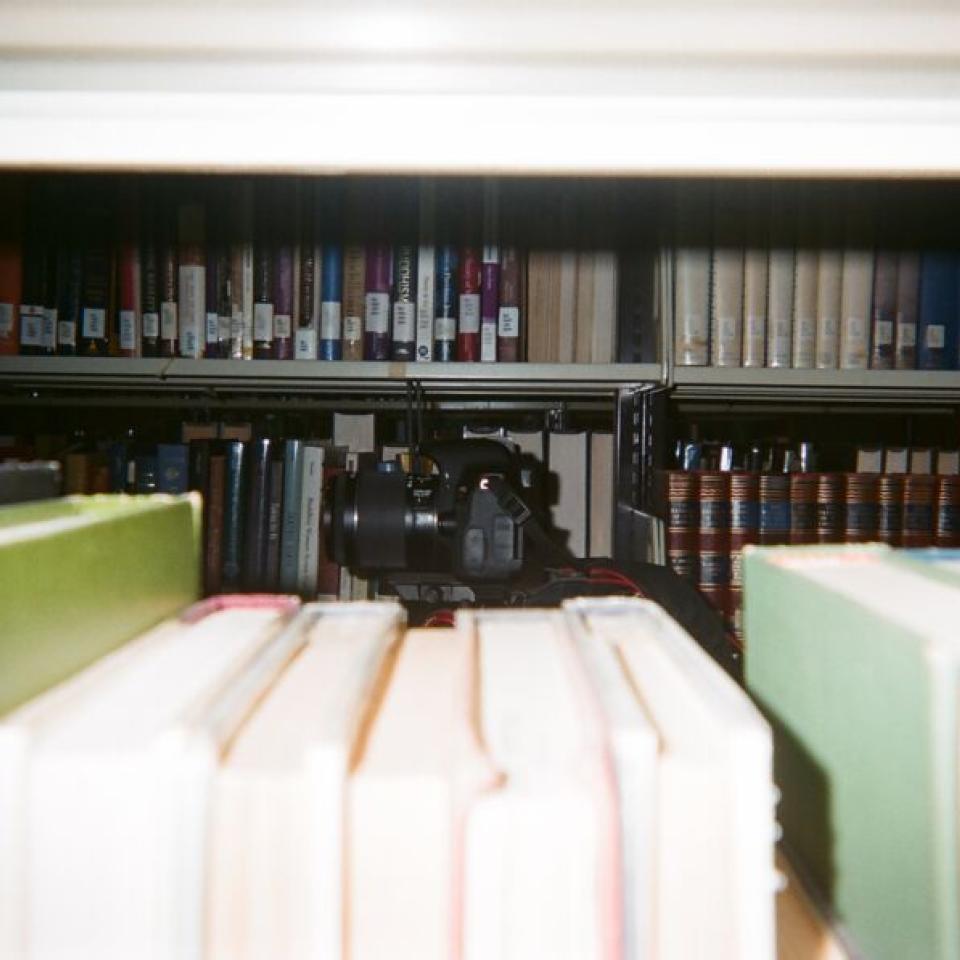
x: 279, y: 270
x: 713, y: 515
x: 853, y: 654
x: 851, y: 309
x: 249, y: 780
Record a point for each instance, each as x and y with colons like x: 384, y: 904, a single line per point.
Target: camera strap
x: 510, y: 502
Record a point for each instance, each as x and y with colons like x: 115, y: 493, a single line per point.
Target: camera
x: 459, y: 512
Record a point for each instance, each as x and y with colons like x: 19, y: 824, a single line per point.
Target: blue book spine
x: 446, y: 303
x: 290, y: 517
x: 234, y: 510
x: 937, y: 323
x: 173, y: 467
x: 331, y: 303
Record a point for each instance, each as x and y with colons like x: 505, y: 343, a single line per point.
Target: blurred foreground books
x: 245, y: 780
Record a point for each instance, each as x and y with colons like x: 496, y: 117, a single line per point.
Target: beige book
x: 691, y: 305
x: 829, y: 285
x: 543, y: 286
x: 275, y: 884
x: 585, y: 316
x: 726, y: 307
x: 604, y: 327
x: 568, y: 453
x: 601, y: 499
x: 855, y: 299
x: 715, y: 876
x: 541, y: 848
x: 106, y: 796
x: 563, y: 337
x: 780, y: 282
x: 355, y: 432
x: 805, y: 310
x: 634, y: 748
x: 420, y: 766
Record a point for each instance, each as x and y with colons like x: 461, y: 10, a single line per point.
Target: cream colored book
x: 726, y: 307
x: 715, y: 877
x: 829, y: 285
x: 104, y: 796
x: 411, y: 786
x: 568, y: 455
x: 542, y: 847
x: 275, y: 874
x: 634, y: 748
x: 601, y: 500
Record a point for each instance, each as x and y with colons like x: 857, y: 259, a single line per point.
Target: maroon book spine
x: 889, y: 508
x: 946, y: 531
x: 683, y: 522
x: 713, y: 541
x: 508, y: 315
x: 860, y: 519
x: 468, y: 324
x: 919, y: 491
x: 829, y: 507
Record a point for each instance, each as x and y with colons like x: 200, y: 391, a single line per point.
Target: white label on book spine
x: 151, y: 324
x: 128, y: 330
x: 330, y: 320
x: 212, y: 327
x: 305, y: 344
x: 404, y: 322
x: 66, y: 333
x: 6, y: 319
x: 31, y: 334
x: 377, y: 313
x: 908, y: 334
x: 191, y: 309
x: 935, y: 336
x: 48, y: 333
x: 263, y: 322
x: 884, y: 331
x: 469, y: 312
x: 352, y: 329
x: 508, y: 322
x: 446, y: 328
x: 805, y: 345
x: 94, y: 322
x: 282, y: 325
x: 168, y: 320
x: 488, y: 343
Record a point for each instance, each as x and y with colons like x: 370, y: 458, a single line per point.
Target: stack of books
x: 246, y: 781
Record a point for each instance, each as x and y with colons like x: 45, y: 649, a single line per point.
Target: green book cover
x: 81, y: 575
x: 853, y: 656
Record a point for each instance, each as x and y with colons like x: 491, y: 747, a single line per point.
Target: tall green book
x: 81, y: 575
x: 854, y: 655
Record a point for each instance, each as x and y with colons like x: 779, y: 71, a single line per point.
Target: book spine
x: 774, y: 499
x: 129, y: 316
x: 468, y: 325
x: 191, y: 301
x: 404, y: 303
x: 426, y: 291
x: 490, y: 273
x: 354, y: 287
x: 780, y: 308
x: 36, y: 239
x: 860, y: 501
x: 919, y: 492
x: 908, y: 295
x: 309, y: 290
x: 271, y: 576
x: 311, y: 492
x: 755, y: 271
x: 211, y: 316
x: 11, y: 267
x: 855, y: 295
x: 446, y: 302
x: 489, y: 303
x: 241, y: 272
x: 713, y: 578
x: 213, y: 501
x: 262, y: 298
x: 692, y: 302
x: 805, y: 310
x: 683, y: 523
x: 376, y: 312
x: 508, y: 314
x: 744, y: 528
x: 48, y: 319
x: 936, y: 329
x: 290, y: 523
x: 234, y: 503
x: 946, y: 532
x: 331, y: 328
x: 829, y: 289
x: 283, y: 301
x: 889, y: 508
x: 169, y: 282
x: 803, y: 508
x: 257, y: 518
x: 224, y: 303
x: 884, y: 312
x: 726, y: 308
x: 98, y: 266
x: 830, y: 510
x: 70, y: 288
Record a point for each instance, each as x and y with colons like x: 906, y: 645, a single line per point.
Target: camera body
x: 457, y: 519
